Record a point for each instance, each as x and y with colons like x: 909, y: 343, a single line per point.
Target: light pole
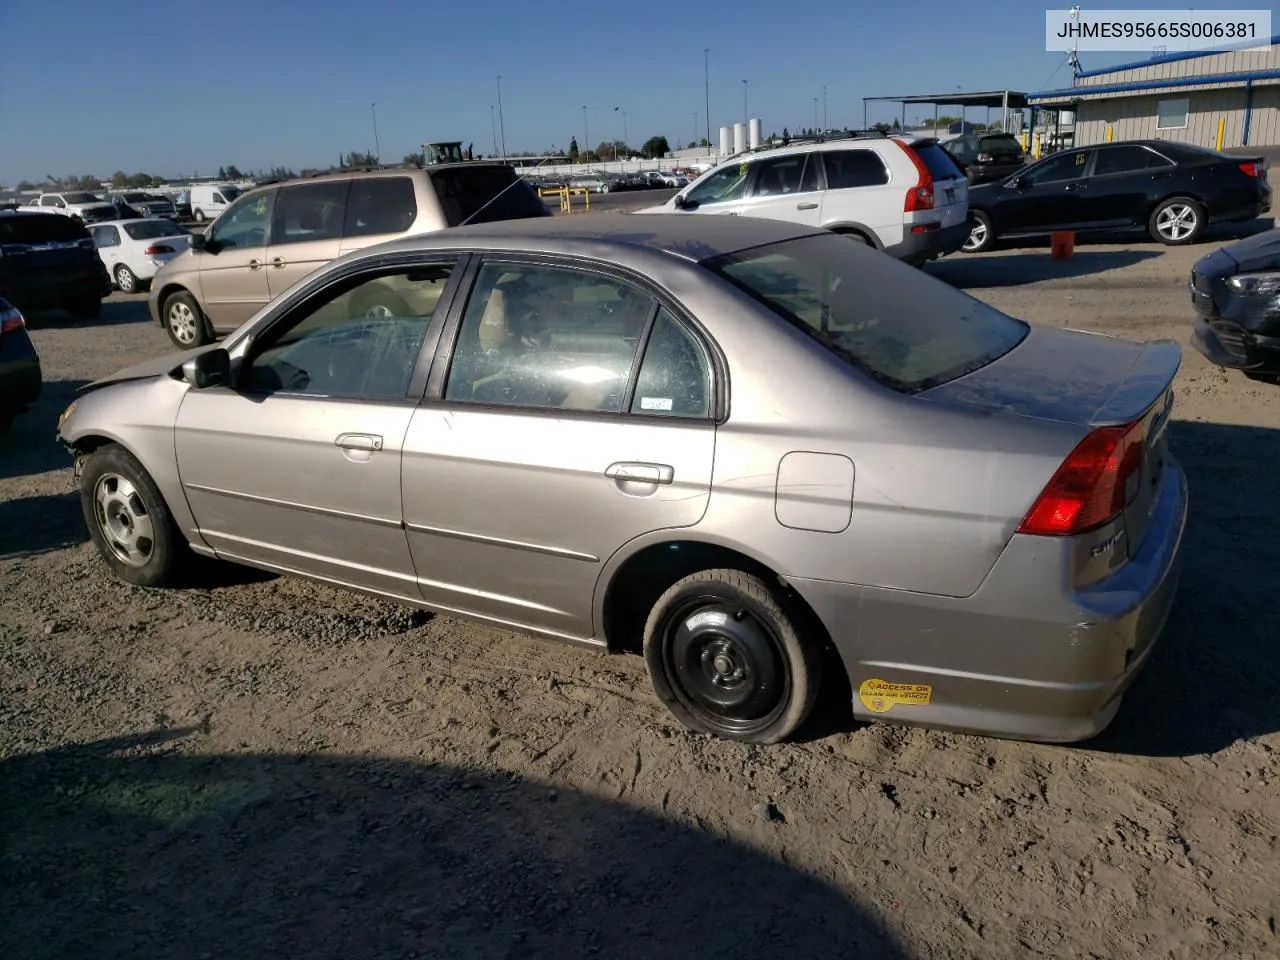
x: 815, y: 114
x: 377, y: 147
x: 825, y: 127
x: 502, y: 128
x: 695, y: 126
x: 493, y: 125
x: 586, y: 136
x: 624, y: 131
x: 746, y: 117
x: 706, y: 74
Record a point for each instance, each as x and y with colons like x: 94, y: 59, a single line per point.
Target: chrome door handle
x: 359, y: 441
x: 806, y: 206
x: 255, y: 264
x: 277, y: 261
x: 641, y: 472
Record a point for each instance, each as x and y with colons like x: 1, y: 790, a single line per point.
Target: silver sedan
x: 752, y: 451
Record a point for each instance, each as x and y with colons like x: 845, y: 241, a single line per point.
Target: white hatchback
x: 903, y: 195
x: 133, y: 251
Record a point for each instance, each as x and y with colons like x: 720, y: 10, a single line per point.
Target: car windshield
x: 153, y: 229
x: 895, y: 324
x: 936, y: 160
x: 40, y: 228
x: 82, y: 198
x: 132, y: 197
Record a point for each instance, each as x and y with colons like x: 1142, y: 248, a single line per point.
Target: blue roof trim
x: 1136, y: 85
x: 1173, y: 58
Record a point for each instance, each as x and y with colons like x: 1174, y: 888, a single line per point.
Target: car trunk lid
x: 1087, y: 380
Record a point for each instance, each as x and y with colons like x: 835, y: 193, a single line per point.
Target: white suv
x: 903, y: 195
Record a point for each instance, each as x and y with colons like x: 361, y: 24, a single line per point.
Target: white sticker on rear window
x: 655, y: 403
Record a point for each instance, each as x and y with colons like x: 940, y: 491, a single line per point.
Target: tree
x: 881, y: 126
x: 786, y: 134
x: 222, y: 173
x: 573, y: 149
x: 895, y: 125
x: 119, y: 179
x: 611, y: 150
x: 233, y: 173
x: 357, y: 159
x: 656, y: 147
x: 26, y: 185
x: 413, y: 160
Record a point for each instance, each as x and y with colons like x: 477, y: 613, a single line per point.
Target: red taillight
x: 11, y: 320
x: 919, y: 197
x: 158, y: 249
x: 1092, y: 485
x: 1251, y: 169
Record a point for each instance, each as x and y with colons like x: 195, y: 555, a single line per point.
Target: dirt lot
x: 264, y: 767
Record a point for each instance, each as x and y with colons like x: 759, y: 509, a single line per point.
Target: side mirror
x: 684, y: 203
x: 199, y: 241
x: 1018, y: 182
x: 209, y: 369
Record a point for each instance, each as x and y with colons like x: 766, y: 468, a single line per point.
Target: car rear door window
x: 548, y: 337
x: 675, y: 373
x: 1126, y: 159
x: 359, y: 340
x: 854, y: 168
x: 106, y: 236
x: 312, y: 211
x: 780, y: 176
x: 378, y: 205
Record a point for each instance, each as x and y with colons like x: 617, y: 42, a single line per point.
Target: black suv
x: 49, y: 262
x: 987, y: 156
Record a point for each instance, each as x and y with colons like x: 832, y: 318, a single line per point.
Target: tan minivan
x: 273, y: 236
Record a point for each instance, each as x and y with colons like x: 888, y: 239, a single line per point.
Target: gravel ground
x: 262, y: 766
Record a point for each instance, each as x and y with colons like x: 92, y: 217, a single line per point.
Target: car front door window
x: 1059, y: 168
x: 723, y: 186
x: 361, y: 342
x: 245, y: 222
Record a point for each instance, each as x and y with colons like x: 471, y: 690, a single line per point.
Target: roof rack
x: 777, y: 142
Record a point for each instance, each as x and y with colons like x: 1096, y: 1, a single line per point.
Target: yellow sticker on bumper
x: 880, y: 696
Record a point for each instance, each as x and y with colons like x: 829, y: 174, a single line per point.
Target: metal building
x: 1219, y: 100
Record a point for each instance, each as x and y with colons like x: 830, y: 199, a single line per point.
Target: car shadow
x: 1212, y: 678
x: 127, y: 848
x: 115, y: 313
x: 1015, y: 269
x: 31, y: 525
x: 29, y: 446
x: 1214, y: 233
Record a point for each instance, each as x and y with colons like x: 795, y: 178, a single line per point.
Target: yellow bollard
x: 1222, y: 129
x: 1035, y: 152
x: 1111, y: 133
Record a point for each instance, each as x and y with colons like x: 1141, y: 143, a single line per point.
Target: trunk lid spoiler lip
x: 1147, y: 382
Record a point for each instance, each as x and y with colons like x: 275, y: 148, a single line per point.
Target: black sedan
x: 1236, y: 294
x: 20, y: 380
x: 1172, y: 190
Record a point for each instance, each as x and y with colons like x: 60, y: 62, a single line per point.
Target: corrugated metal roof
x: 1136, y: 86
x: 1169, y: 58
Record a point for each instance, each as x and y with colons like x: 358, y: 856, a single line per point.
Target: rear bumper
x: 926, y: 246
x: 55, y: 292
x: 20, y: 377
x: 1024, y: 657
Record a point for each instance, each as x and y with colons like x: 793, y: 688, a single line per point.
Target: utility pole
x: 586, y: 136
x: 695, y: 126
x: 815, y: 114
x: 377, y: 147
x: 706, y: 73
x: 825, y: 126
x: 746, y: 116
x: 493, y: 126
x: 502, y: 127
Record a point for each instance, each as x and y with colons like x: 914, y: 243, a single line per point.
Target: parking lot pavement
x: 348, y: 777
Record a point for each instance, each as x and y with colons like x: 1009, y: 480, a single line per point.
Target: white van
x: 207, y: 200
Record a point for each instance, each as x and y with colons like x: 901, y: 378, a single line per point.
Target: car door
x: 721, y: 192
x: 858, y: 194
x: 1121, y: 184
x: 785, y: 188
x: 296, y: 466
x: 306, y: 231
x: 567, y: 415
x: 107, y: 240
x: 233, y: 276
x: 1048, y: 194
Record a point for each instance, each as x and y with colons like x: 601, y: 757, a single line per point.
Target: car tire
x: 126, y: 279
x: 858, y: 238
x: 128, y: 520
x: 198, y: 216
x: 725, y: 657
x: 85, y: 309
x: 1176, y: 221
x: 184, y: 322
x: 1271, y: 378
x: 981, y: 234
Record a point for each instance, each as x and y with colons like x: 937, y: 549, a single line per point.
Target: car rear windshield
x: 1004, y: 146
x: 902, y: 328
x: 937, y: 161
x: 41, y: 228
x: 153, y: 229
x: 485, y: 194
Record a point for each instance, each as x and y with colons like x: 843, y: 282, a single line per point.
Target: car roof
x: 685, y: 236
x: 116, y: 223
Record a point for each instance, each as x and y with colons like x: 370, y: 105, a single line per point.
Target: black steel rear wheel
x: 726, y: 659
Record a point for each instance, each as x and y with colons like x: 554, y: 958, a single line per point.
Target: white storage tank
x: 726, y: 141
x: 739, y: 137
x: 754, y: 133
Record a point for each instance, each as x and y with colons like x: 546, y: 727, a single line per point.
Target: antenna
x: 1074, y: 14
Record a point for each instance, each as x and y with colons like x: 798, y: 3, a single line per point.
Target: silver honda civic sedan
x: 752, y: 451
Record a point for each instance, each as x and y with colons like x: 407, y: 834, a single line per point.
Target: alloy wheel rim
x: 123, y: 520
x: 125, y: 280
x: 977, y: 236
x: 1176, y: 221
x: 182, y: 323
x: 726, y: 665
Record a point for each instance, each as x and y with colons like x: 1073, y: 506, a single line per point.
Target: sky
x: 181, y: 88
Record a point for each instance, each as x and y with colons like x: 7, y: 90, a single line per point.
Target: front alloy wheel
x: 123, y: 520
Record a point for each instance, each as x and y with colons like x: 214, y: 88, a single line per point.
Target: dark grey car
x: 729, y: 442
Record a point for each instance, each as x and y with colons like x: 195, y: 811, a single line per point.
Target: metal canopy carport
x: 1005, y: 99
